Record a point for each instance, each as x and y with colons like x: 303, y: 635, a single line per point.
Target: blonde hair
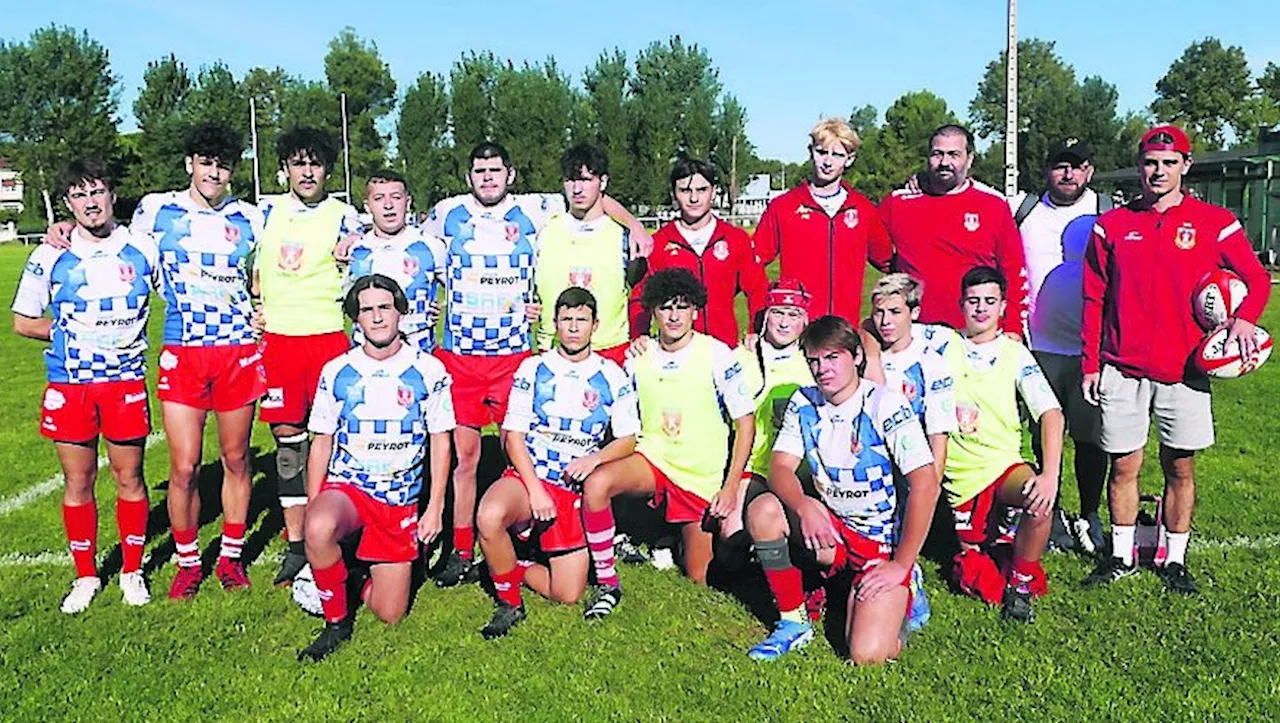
x: 835, y: 129
x: 904, y: 285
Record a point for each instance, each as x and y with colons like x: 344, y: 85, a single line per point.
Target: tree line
x: 59, y: 98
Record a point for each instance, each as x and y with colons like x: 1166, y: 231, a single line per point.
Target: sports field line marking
x: 35, y: 492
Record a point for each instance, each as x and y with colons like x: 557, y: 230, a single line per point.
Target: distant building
x: 10, y: 187
x: 755, y: 196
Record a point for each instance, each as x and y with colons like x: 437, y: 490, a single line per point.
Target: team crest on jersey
x: 128, y: 274
x: 672, y: 421
x: 290, y: 256
x: 720, y: 250
x: 404, y: 396
x: 580, y: 276
x: 967, y: 418
x: 1186, y: 236
x: 851, y: 218
x: 410, y: 265
x: 231, y: 233
x: 591, y: 399
x: 855, y: 443
x: 910, y: 390
x: 804, y: 212
x: 512, y: 231
x: 971, y: 222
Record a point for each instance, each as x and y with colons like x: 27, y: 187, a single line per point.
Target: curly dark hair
x: 670, y: 284
x: 312, y: 142
x: 213, y: 140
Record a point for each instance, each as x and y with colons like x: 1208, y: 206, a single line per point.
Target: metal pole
x: 253, y: 134
x: 1011, y: 104
x: 346, y: 148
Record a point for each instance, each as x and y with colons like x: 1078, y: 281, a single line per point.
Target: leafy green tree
x: 532, y: 113
x: 354, y: 67
x: 1206, y: 90
x: 609, y: 120
x: 422, y: 136
x: 166, y: 87
x: 471, y: 107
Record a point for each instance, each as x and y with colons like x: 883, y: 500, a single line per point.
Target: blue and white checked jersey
x: 415, y: 259
x: 98, y: 290
x: 853, y: 449
x: 489, y: 279
x: 380, y: 414
x: 204, y: 259
x: 922, y: 376
x: 564, y: 408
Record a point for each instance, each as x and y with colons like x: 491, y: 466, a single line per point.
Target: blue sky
x: 788, y: 62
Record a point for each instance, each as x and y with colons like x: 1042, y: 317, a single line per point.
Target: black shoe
x: 1060, y: 532
x: 290, y: 567
x: 627, y: 552
x: 1016, y: 606
x: 1108, y: 571
x: 504, y: 618
x: 333, y: 636
x: 457, y: 571
x: 1178, y: 578
x: 606, y: 599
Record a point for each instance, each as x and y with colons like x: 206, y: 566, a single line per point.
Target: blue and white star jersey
x: 565, y: 409
x: 938, y: 338
x: 492, y: 252
x: 922, y: 376
x: 853, y: 449
x: 98, y: 291
x: 380, y: 414
x: 204, y: 257
x: 415, y: 259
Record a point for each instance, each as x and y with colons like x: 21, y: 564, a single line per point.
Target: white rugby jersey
x: 203, y: 257
x: 921, y: 375
x: 853, y: 449
x: 566, y: 408
x: 98, y: 291
x: 380, y: 414
x: 492, y: 252
x: 415, y: 259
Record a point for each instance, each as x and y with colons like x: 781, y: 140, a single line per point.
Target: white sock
x: 1177, y: 542
x: 799, y: 615
x: 1122, y: 542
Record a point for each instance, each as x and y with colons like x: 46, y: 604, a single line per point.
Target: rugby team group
x: 815, y: 443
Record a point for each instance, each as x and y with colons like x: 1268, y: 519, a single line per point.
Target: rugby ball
x: 1215, y: 359
x: 1218, y: 296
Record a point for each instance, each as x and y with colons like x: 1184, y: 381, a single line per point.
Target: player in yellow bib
x: 985, y: 471
x: 685, y: 384
x: 588, y: 249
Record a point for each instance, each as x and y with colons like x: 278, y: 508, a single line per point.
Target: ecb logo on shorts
x: 128, y: 274
x: 591, y: 399
x: 851, y: 218
x: 410, y: 266
x: 290, y: 256
x: 404, y: 395
x: 580, y: 276
x: 967, y: 418
x: 231, y: 233
x: 720, y: 250
x: 971, y: 222
x: 1186, y: 237
x: 672, y: 420
x: 512, y: 231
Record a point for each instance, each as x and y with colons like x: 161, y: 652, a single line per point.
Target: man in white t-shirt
x: 1055, y: 230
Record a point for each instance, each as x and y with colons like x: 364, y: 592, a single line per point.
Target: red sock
x: 787, y: 587
x: 187, y: 546
x: 232, y: 539
x: 600, y: 529
x: 131, y: 521
x: 1028, y: 576
x: 507, y: 585
x: 464, y: 541
x: 332, y: 584
x: 81, y: 523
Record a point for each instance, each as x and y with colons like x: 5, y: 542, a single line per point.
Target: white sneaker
x: 662, y: 559
x: 82, y: 593
x: 133, y: 587
x: 305, y: 593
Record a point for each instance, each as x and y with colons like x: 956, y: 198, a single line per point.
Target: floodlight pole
x: 1011, y: 104
x: 253, y: 134
x: 346, y: 148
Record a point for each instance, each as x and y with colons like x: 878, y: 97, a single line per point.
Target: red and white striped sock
x: 601, y: 528
x: 188, y: 547
x: 232, y: 539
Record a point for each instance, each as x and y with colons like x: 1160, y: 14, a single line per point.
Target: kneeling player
x: 985, y: 471
x: 563, y: 403
x: 684, y: 384
x: 855, y: 435
x: 374, y: 409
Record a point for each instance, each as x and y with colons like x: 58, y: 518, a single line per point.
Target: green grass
x: 672, y: 652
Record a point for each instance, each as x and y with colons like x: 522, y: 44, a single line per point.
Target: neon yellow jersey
x: 299, y: 278
x: 590, y: 254
x: 785, y: 371
x: 989, y: 439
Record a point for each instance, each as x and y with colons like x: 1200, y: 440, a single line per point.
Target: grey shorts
x: 1183, y: 412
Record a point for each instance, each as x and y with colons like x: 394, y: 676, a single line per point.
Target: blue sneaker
x: 919, y: 613
x: 786, y: 636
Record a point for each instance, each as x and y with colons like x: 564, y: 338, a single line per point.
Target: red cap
x: 1165, y: 138
x: 787, y: 292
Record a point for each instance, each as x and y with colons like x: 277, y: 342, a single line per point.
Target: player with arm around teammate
x: 376, y: 406
x: 564, y: 403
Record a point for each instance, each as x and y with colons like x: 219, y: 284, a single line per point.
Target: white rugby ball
x: 1214, y: 358
x: 1218, y: 296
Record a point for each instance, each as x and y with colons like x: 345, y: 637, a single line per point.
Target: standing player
x: 824, y: 231
x: 856, y: 437
x: 587, y: 249
x: 719, y: 254
x: 564, y: 404
x: 686, y: 385
x: 98, y: 291
x: 301, y: 286
x: 950, y: 225
x: 1143, y: 263
x: 210, y: 361
x: 375, y: 408
x: 489, y: 234
x: 414, y: 258
x: 985, y: 471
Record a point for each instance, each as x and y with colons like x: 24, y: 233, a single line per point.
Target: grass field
x: 672, y: 652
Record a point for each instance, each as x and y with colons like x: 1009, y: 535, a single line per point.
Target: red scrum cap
x: 787, y: 292
x: 1165, y: 138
